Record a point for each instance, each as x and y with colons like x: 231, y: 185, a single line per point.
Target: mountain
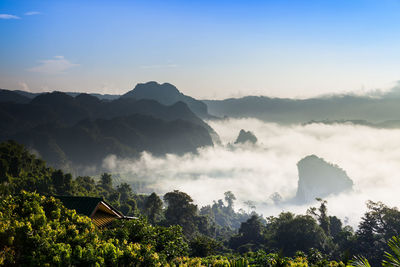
x: 88, y: 142
x: 167, y: 94
x: 61, y: 107
x: 246, y: 136
x: 99, y: 96
x: 68, y: 131
x: 318, y: 178
x: 283, y: 110
x: 30, y: 95
x: 11, y: 96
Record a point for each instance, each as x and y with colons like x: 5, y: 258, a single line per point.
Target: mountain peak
x: 246, y: 136
x: 166, y: 94
x: 153, y: 89
x: 84, y: 98
x: 53, y: 98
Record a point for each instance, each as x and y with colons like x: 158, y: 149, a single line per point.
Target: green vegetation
x: 35, y: 229
x: 39, y: 231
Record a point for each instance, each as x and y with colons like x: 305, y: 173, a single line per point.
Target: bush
x: 35, y: 230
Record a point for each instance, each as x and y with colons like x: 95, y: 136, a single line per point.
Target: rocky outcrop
x: 318, y: 178
x: 246, y: 136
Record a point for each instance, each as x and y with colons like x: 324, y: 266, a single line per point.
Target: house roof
x: 107, y: 208
x: 101, y: 218
x: 82, y: 205
x: 96, y: 208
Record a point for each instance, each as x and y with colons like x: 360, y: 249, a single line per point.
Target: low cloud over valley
x: 254, y: 172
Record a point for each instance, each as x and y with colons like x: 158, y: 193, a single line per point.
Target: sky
x: 208, y: 49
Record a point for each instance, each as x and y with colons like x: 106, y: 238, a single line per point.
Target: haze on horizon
x: 208, y: 49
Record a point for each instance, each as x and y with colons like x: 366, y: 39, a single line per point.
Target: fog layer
x: 371, y: 158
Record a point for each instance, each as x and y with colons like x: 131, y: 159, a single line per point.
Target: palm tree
x: 393, y: 259
x: 360, y: 261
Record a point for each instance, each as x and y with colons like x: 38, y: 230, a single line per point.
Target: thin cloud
x: 57, y: 65
x: 24, y: 86
x: 159, y: 66
x: 32, y: 13
x: 8, y: 16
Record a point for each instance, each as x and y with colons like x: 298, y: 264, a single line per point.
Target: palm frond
x: 393, y: 259
x: 360, y: 261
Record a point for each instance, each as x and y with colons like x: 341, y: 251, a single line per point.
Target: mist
x: 254, y: 172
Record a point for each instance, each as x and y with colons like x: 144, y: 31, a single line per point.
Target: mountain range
x: 374, y: 110
x: 166, y: 94
x: 380, y: 111
x: 69, y: 131
x: 24, y: 97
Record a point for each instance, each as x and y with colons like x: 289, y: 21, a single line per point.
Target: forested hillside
x: 76, y: 133
x: 36, y: 228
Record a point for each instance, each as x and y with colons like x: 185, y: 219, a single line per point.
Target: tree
x: 229, y: 198
x: 276, y: 198
x: 125, y: 209
x: 39, y: 231
x: 391, y: 259
x: 132, y: 206
x: 3, y: 171
x: 168, y: 242
x: 335, y: 226
x: 321, y: 215
x: 252, y: 229
x: 106, y: 181
x: 125, y: 191
x: 20, y: 170
x: 62, y: 182
x: 251, y: 205
x: 251, y: 235
x: 203, y: 246
x: 290, y: 233
x: 377, y: 226
x: 224, y: 216
x: 181, y: 211
x: 153, y: 207
x: 85, y: 185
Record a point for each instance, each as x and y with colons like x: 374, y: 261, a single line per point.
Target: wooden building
x: 95, y: 208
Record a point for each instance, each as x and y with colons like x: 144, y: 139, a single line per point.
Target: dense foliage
x: 35, y: 229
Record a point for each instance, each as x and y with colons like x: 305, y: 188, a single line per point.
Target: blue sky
x: 208, y: 49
